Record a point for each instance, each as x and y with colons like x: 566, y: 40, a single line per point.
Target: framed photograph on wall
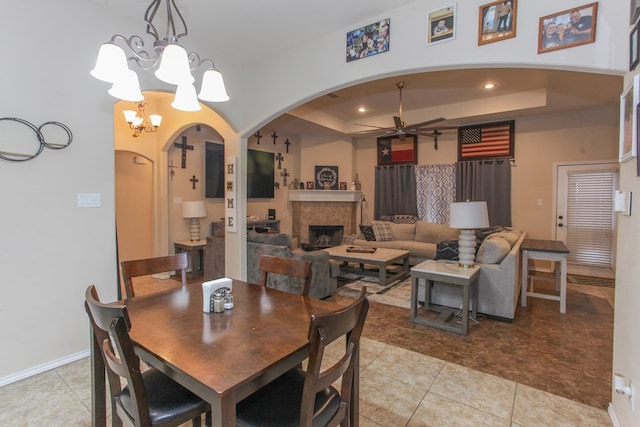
x: 396, y: 150
x: 569, y: 28
x: 441, y: 24
x: 629, y: 120
x: 369, y: 40
x: 486, y: 141
x: 634, y: 49
x: 497, y: 21
x: 634, y: 11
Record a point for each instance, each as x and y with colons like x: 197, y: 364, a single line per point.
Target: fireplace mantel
x: 324, y: 196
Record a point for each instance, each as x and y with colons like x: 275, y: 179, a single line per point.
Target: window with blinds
x: 591, y: 221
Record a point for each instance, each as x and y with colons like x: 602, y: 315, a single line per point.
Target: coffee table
x: 381, y: 258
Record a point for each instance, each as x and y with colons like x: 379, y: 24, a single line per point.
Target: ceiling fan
x: 401, y: 129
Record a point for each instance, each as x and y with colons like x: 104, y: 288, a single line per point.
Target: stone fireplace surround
x: 323, y: 207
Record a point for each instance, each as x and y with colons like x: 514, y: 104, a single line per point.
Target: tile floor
x: 466, y: 381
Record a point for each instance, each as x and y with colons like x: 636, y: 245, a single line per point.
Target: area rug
x: 593, y: 281
x: 396, y: 293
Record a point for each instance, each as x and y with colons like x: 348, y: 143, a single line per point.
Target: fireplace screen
x: 325, y: 236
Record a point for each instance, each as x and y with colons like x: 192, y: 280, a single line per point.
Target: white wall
x: 53, y: 250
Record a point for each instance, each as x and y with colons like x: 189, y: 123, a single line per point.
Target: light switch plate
x: 88, y: 200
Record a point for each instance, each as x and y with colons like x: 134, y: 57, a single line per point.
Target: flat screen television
x: 260, y: 174
x: 214, y: 170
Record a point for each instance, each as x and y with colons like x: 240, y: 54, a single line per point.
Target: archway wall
x: 318, y: 66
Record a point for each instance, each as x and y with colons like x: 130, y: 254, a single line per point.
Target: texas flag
x: 396, y: 150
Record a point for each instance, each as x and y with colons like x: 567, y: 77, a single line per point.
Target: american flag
x: 486, y: 141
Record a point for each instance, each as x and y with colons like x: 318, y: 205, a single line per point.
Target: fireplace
x: 325, y: 236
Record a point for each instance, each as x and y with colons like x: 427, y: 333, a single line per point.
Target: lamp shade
x: 174, y: 66
x: 194, y: 209
x: 111, y: 62
x: 212, y: 88
x: 186, y: 99
x: 127, y: 87
x: 468, y: 215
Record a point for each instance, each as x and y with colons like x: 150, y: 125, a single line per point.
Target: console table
x: 265, y: 226
x: 549, y: 250
x: 196, y: 254
x: 449, y: 274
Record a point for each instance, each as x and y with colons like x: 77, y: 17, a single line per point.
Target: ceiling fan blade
x: 398, y: 122
x: 372, y: 126
x: 427, y: 123
x: 438, y: 128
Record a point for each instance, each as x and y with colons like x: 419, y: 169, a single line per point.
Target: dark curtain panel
x: 395, y: 189
x: 488, y: 180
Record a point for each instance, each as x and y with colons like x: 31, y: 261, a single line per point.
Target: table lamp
x: 468, y: 216
x: 194, y: 211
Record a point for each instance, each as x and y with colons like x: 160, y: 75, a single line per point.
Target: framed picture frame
x: 497, y: 21
x: 569, y: 28
x: 369, y: 40
x: 326, y: 178
x: 486, y: 141
x: 629, y: 101
x: 393, y: 150
x: 634, y: 47
x: 310, y: 185
x: 634, y: 11
x: 441, y: 24
x: 343, y: 185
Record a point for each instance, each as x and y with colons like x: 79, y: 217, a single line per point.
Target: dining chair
x: 307, y: 398
x: 147, y: 266
x: 288, y: 267
x: 150, y: 398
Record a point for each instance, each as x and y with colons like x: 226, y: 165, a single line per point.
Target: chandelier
x: 172, y: 63
x: 140, y: 121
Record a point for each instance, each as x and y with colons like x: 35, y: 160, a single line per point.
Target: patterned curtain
x: 488, y: 180
x: 435, y: 191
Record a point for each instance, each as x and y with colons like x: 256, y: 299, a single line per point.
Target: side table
x: 549, y: 250
x: 196, y: 254
x: 450, y: 274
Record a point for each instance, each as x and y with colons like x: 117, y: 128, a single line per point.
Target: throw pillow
x: 404, y: 219
x: 382, y: 230
x: 367, y: 232
x: 483, y: 233
x: 492, y: 251
x: 348, y: 240
x: 447, y: 249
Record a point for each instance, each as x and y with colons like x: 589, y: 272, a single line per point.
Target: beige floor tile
x: 438, y: 411
x: 476, y: 389
x: 407, y: 366
x: 387, y: 401
x: 537, y: 408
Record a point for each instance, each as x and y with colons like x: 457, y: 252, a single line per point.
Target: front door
x: 584, y: 217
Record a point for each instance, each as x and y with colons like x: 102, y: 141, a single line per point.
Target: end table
x: 196, y: 254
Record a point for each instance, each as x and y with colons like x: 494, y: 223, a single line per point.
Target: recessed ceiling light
x: 362, y: 110
x: 489, y: 86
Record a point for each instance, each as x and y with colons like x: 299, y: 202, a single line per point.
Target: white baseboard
x: 612, y: 416
x: 43, y: 368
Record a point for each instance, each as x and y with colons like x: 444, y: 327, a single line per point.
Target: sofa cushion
x: 510, y: 236
x: 434, y: 233
x: 367, y: 232
x: 403, y: 231
x: 447, y: 249
x: 492, y: 250
x: 421, y: 250
x: 483, y: 233
x: 404, y: 219
x: 382, y: 230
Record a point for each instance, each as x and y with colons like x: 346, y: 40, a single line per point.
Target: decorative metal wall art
x: 10, y: 155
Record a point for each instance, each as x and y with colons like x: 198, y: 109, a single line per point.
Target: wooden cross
x: 193, y: 181
x: 184, y: 148
x: 274, y: 136
x: 258, y: 135
x: 279, y: 159
x: 287, y: 143
x: 284, y: 174
x: 171, y: 166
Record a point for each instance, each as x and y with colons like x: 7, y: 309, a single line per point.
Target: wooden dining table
x: 221, y: 357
